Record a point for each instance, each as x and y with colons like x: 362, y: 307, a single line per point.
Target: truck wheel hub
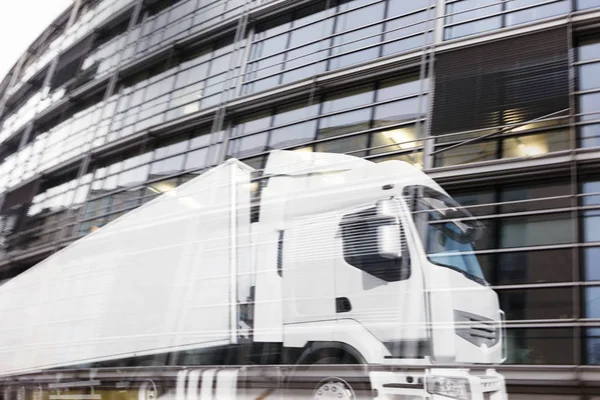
x: 334, y: 389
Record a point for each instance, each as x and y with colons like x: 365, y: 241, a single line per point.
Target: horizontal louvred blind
x: 509, y: 81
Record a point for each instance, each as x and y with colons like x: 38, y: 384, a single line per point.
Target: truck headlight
x: 456, y: 388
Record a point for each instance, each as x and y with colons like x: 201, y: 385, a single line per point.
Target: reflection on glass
x: 592, y: 302
x: 592, y: 336
x: 588, y: 76
x: 471, y: 10
x: 589, y: 104
x: 589, y: 135
x: 591, y: 263
x: 473, y: 27
x: 588, y: 48
x: 593, y: 189
x: 591, y: 226
x: 584, y: 4
x: 534, y: 13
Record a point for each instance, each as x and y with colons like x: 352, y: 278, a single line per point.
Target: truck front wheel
x: 339, y: 375
x: 334, y: 388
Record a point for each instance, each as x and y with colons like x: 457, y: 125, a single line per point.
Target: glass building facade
x: 499, y: 100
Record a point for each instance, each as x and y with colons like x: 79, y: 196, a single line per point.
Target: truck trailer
x: 325, y: 263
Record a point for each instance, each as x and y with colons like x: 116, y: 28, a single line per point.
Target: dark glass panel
x: 531, y: 304
x: 540, y: 346
x: 539, y: 266
x: 517, y: 193
x: 475, y: 201
x: 592, y: 346
x: 536, y: 230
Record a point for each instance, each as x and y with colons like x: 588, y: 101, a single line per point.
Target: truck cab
x: 378, y: 259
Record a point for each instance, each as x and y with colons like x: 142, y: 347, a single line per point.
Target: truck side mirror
x: 389, y: 240
x: 389, y: 233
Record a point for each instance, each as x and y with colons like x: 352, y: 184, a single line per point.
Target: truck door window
x: 447, y: 230
x: 359, y: 236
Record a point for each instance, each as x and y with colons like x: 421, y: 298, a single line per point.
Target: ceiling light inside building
x: 402, y: 137
x: 162, y: 187
x: 532, y: 149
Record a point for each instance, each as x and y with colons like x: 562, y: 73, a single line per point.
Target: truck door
x: 381, y: 292
x: 308, y: 257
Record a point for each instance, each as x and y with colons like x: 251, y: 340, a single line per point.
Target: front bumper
x: 488, y: 385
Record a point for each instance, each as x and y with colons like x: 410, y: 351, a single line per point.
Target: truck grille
x: 476, y: 329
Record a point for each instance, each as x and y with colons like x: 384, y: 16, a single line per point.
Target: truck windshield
x: 447, y: 231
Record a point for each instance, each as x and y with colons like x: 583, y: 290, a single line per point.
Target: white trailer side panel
x: 156, y: 279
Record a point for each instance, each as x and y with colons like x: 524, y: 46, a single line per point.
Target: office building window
x: 317, y: 38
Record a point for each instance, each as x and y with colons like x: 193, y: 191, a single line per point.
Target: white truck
x: 327, y: 259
